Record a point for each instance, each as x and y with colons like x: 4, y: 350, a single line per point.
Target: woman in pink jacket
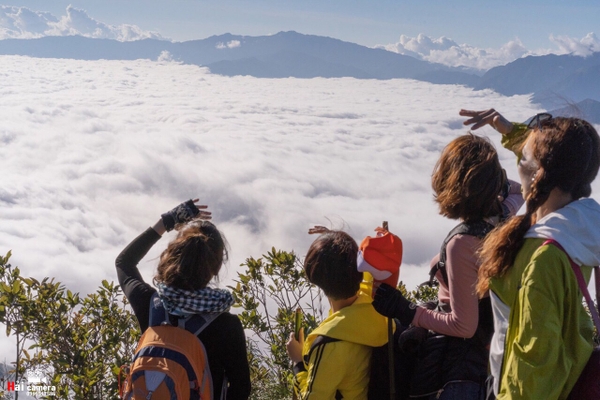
x: 451, y: 361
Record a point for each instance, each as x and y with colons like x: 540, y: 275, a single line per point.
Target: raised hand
x: 183, y: 213
x: 294, y: 347
x: 381, y: 231
x: 488, y: 117
x: 318, y: 229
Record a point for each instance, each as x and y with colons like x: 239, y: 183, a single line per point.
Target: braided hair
x: 567, y: 151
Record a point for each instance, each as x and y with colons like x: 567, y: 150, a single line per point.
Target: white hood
x: 576, y: 227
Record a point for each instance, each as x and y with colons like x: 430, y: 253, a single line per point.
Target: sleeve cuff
x: 299, y: 367
x: 513, y: 140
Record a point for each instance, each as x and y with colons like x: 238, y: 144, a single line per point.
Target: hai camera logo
x: 36, y: 377
x: 36, y: 384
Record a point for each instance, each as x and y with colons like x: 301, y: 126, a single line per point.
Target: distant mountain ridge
x: 554, y: 80
x: 286, y: 54
x: 587, y: 109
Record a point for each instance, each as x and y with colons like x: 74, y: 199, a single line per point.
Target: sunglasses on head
x: 538, y: 120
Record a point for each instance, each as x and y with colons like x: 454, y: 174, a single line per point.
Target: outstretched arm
x: 135, y: 289
x: 513, y: 133
x: 487, y: 117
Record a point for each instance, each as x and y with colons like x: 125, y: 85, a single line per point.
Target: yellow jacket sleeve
x: 513, y: 140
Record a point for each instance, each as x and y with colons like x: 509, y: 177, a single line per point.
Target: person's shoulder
x: 463, y: 239
x: 224, y: 327
x: 547, y: 263
x: 463, y: 244
x: 227, y: 319
x: 549, y: 254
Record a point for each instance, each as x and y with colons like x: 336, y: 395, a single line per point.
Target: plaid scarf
x: 186, y: 302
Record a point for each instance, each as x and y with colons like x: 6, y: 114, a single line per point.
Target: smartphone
x: 298, y: 323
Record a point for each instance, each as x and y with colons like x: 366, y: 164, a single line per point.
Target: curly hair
x: 193, y: 258
x: 568, y: 153
x: 468, y: 178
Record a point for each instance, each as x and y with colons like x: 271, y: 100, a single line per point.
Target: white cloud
x: 92, y: 152
x: 446, y: 51
x: 165, y: 56
x: 580, y: 47
x: 229, y: 45
x: 23, y: 23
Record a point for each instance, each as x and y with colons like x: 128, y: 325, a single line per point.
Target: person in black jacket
x: 184, y: 271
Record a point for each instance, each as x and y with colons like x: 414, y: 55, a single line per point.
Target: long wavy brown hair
x: 193, y: 258
x: 467, y: 179
x: 567, y: 152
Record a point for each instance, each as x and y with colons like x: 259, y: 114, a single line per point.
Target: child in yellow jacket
x: 334, y: 360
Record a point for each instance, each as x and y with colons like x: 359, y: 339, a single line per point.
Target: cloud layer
x: 92, y: 153
x: 24, y: 23
x: 446, y: 51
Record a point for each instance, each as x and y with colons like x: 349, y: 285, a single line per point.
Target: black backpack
x: 440, y: 359
x: 478, y: 229
x: 424, y: 360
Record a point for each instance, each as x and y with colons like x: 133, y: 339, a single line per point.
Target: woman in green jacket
x: 543, y: 335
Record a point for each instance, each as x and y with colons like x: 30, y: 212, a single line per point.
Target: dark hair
x: 193, y: 258
x: 468, y: 178
x: 330, y: 264
x: 568, y: 153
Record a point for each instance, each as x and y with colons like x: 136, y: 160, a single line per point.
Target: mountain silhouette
x: 554, y: 81
x: 286, y: 54
x: 587, y: 109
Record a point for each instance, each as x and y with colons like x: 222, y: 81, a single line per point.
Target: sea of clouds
x: 92, y: 152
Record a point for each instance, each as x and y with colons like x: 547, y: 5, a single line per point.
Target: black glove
x: 389, y: 302
x: 183, y: 213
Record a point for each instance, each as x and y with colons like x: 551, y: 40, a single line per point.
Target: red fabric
x: 385, y: 254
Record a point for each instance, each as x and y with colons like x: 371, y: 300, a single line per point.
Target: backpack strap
x: 478, y: 229
x: 158, y: 312
x: 581, y: 283
x: 317, y: 345
x: 198, y: 322
x: 320, y: 341
x: 194, y: 323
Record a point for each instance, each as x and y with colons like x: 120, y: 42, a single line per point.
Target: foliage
x: 268, y: 293
x: 80, y: 342
x: 12, y: 314
x: 421, y: 294
x: 5, y: 376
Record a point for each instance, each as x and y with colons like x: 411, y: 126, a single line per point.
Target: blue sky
x: 479, y: 23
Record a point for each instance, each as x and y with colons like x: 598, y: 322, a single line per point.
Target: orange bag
x: 170, y: 361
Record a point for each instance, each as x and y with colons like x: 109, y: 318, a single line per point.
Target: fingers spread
x: 318, y: 229
x: 479, y: 118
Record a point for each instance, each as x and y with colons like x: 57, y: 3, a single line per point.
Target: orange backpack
x: 170, y: 361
